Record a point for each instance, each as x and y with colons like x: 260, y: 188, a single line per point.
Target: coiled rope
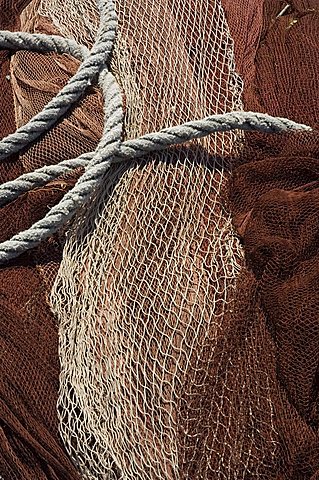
x: 95, y: 68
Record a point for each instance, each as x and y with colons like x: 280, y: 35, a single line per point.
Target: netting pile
x: 186, y: 297
x: 145, y: 281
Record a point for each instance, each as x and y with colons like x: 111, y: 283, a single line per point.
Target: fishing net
x: 179, y: 358
x: 145, y: 280
x: 274, y: 204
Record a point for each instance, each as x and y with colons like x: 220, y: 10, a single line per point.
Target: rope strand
x: 39, y: 42
x: 152, y: 142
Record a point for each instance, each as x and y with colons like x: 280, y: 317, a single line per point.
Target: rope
x: 42, y: 43
x: 110, y: 148
x: 151, y: 142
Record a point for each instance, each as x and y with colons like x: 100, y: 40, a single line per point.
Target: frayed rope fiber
x: 95, y: 68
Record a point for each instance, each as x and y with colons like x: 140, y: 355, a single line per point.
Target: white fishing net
x: 149, y: 268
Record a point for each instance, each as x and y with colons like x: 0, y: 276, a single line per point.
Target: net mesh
x: 146, y: 280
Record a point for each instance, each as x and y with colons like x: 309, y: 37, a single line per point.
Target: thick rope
x: 64, y: 211
x: 151, y: 142
x: 42, y: 43
x: 110, y: 148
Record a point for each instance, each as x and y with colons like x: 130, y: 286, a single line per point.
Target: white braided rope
x: 73, y: 90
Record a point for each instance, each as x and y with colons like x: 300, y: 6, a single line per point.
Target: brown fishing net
x: 275, y: 209
x: 179, y: 358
